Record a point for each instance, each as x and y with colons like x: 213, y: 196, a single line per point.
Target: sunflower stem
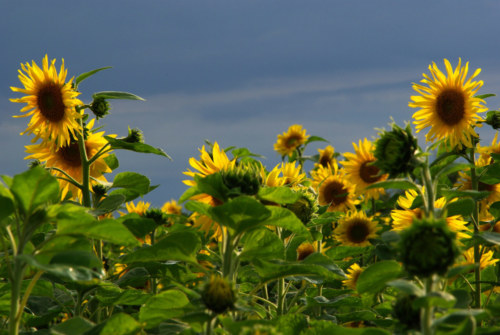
x: 429, y: 189
x: 426, y: 318
x: 475, y: 219
x: 85, y: 169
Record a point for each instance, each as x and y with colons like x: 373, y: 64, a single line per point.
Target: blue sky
x: 241, y: 72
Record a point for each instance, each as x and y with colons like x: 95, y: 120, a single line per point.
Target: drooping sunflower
x: 50, y: 101
x: 67, y: 158
x: 334, y: 190
x: 447, y: 104
x: 361, y: 171
x: 290, y: 140
x: 353, y: 273
x: 326, y: 156
x: 403, y: 218
x: 464, y: 183
x: 356, y: 229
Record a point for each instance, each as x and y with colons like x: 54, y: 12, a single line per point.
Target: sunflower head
x: 405, y: 313
x: 218, y: 295
x: 50, y: 101
x: 100, y: 107
x: 135, y: 135
x: 428, y: 247
x: 353, y: 274
x: 447, y: 104
x: 305, y: 207
x: 242, y: 179
x: 395, y: 151
x: 290, y: 140
x: 157, y: 215
x: 304, y: 250
x: 356, y: 229
x: 326, y: 156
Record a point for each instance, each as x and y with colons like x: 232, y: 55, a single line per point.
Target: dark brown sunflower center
x: 50, y: 102
x: 324, y: 160
x: 293, y: 141
x: 335, y: 193
x: 304, y: 251
x: 368, y: 172
x: 485, y: 187
x: 358, y: 231
x: 450, y: 106
x: 70, y: 154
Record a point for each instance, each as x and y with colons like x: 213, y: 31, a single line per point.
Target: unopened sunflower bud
x: 428, y: 247
x: 99, y: 190
x: 305, y: 207
x: 395, y: 151
x: 134, y: 136
x: 242, y: 179
x: 493, y: 119
x: 100, y: 107
x: 218, y: 295
x: 34, y: 163
x: 157, y: 215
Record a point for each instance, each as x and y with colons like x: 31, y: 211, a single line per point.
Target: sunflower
x: 171, y: 207
x: 355, y: 229
x: 448, y: 104
x: 353, y: 273
x: 67, y: 159
x: 307, y: 248
x: 50, y: 102
x: 291, y: 140
x: 292, y: 173
x: 464, y: 183
x: 141, y: 207
x: 334, y: 190
x: 361, y: 171
x: 403, y: 218
x: 485, y: 261
x: 494, y: 148
x: 326, y: 157
x: 272, y: 178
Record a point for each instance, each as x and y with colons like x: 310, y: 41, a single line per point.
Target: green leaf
x: 484, y: 96
x: 262, y: 244
x: 495, y: 210
x: 85, y: 75
x: 436, y: 299
x: 111, y: 161
x: 375, y: 277
x: 120, y: 324
x: 131, y: 184
x: 476, y: 195
x: 490, y: 237
x: 315, y: 139
x: 463, y: 207
x: 77, y: 258
x: 281, y: 195
x: 406, y: 286
x: 109, y: 204
x: 33, y: 188
x: 137, y: 147
x: 240, y: 214
x: 491, y: 174
x: 212, y: 185
x: 178, y: 246
x: 74, y: 326
x: 6, y: 203
x: 272, y: 270
x: 452, y: 168
x: 74, y: 220
x: 139, y: 226
x: 401, y: 184
x: 116, y: 95
x: 163, y: 306
x: 284, y: 218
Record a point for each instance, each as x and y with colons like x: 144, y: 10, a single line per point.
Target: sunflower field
x: 395, y: 237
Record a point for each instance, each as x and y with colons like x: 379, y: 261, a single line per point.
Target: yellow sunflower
x: 334, y: 190
x: 447, y: 104
x: 272, y: 178
x: 403, y: 218
x: 50, y: 102
x: 361, y: 171
x: 326, y: 157
x: 141, y: 207
x: 494, y: 148
x: 291, y: 140
x: 355, y: 229
x: 307, y: 248
x: 464, y: 183
x: 352, y: 276
x: 485, y: 261
x: 67, y: 158
x: 171, y: 207
x: 292, y: 173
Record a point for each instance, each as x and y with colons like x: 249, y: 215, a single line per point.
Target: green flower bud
x: 493, y: 119
x: 100, y: 107
x: 428, y: 247
x: 34, y: 163
x: 242, y: 179
x: 395, y: 151
x: 403, y: 310
x: 157, y: 215
x: 304, y: 208
x: 218, y: 295
x: 134, y: 136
